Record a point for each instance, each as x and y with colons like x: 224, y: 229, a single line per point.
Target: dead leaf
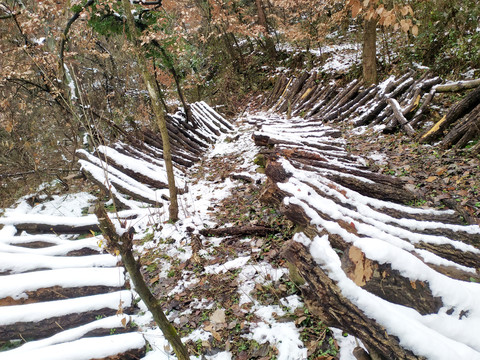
x: 154, y: 280
x: 431, y: 179
x: 415, y: 30
x: 216, y: 335
x: 356, y: 8
x: 218, y: 316
x: 300, y: 320
x: 363, y: 270
x: 440, y: 171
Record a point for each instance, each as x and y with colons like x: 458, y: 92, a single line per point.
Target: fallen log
x: 56, y: 293
x: 399, y: 116
x: 457, y: 111
x: 359, y: 244
x: 53, y: 325
x: 247, y: 230
x: 464, y: 131
x: 57, y: 229
x: 458, y: 85
x: 325, y: 299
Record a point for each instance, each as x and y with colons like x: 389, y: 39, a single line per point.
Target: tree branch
x: 63, y: 41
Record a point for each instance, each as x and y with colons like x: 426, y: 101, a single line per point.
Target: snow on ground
x: 174, y: 241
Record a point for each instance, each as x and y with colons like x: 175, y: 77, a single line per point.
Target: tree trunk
x: 369, y: 56
x: 123, y: 246
x: 157, y: 109
x: 262, y: 21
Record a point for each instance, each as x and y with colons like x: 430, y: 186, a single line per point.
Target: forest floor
x: 232, y: 296
x: 441, y: 178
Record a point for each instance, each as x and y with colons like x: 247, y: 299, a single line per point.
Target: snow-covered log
x: 396, y: 277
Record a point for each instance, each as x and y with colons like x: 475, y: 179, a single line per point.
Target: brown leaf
x: 431, y: 179
x: 363, y: 270
x: 300, y: 320
x: 356, y: 8
x: 440, y: 171
x: 154, y: 279
x: 216, y: 335
x: 415, y: 30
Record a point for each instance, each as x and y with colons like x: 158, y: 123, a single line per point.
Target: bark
x: 57, y: 229
x: 296, y: 87
x: 458, y: 86
x: 262, y: 21
x: 369, y: 54
x: 157, y: 109
x: 123, y: 245
x: 57, y: 293
x: 247, y: 230
x: 419, y: 115
x: 464, y: 131
x: 51, y: 326
x: 400, y: 118
x: 129, y: 172
x: 457, y: 111
x: 324, y: 298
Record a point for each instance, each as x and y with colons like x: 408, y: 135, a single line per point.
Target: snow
x: 40, y: 311
x: 400, y: 321
x: 17, y: 263
x: 14, y: 285
x: 82, y: 349
x: 284, y: 335
x: 232, y: 264
x: 382, y: 238
x: 69, y: 335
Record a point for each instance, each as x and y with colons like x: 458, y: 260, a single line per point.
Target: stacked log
x: 56, y: 292
x: 133, y: 172
x: 397, y: 104
x: 370, y: 262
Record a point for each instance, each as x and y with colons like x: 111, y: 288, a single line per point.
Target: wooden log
x: 389, y: 284
x: 382, y: 103
x: 341, y: 105
x: 422, y: 111
x: 57, y: 293
x: 458, y: 85
x: 350, y: 107
x: 313, y: 98
x: 305, y: 91
x: 284, y: 93
x: 428, y: 84
x: 457, y: 111
x: 292, y: 92
x: 133, y: 354
x: 464, y: 131
x: 129, y: 172
x: 326, y: 97
x: 58, y: 228
x: 399, y: 116
x: 343, y: 96
x: 246, y: 230
x: 378, y: 191
x: 324, y: 299
x: 114, y: 182
x: 277, y: 90
x: 51, y: 326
